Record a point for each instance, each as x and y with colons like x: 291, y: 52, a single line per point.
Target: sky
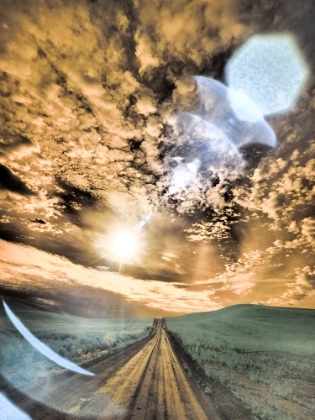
x: 95, y: 98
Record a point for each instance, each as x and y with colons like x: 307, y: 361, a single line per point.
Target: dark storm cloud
x: 12, y: 182
x: 73, y: 199
x: 40, y: 221
x: 10, y: 142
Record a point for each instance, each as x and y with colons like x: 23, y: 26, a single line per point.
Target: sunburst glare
x: 122, y: 245
x: 125, y: 245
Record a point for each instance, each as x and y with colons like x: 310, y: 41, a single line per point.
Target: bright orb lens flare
x: 271, y: 71
x: 125, y: 245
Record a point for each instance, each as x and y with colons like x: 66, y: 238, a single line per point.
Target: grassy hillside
x: 259, y: 352
x: 74, y: 338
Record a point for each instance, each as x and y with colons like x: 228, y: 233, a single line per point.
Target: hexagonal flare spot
x: 270, y: 70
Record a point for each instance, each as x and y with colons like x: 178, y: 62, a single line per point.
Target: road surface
x: 152, y: 385
x: 145, y: 382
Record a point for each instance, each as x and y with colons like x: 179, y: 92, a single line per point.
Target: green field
x: 265, y: 355
x: 74, y: 338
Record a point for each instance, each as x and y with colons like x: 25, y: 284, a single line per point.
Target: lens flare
x: 183, y: 175
x: 243, y: 107
x: 9, y: 411
x: 41, y: 347
x: 125, y: 245
x: 144, y: 221
x: 271, y: 70
x: 234, y: 113
x: 121, y: 244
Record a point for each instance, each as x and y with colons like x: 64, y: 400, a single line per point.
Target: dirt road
x: 152, y: 385
x: 146, y: 382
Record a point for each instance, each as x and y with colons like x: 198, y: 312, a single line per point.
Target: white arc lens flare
x: 243, y: 107
x: 232, y: 112
x: 9, y: 411
x: 41, y: 347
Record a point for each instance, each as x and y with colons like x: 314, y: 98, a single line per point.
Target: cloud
x: 26, y: 268
x: 193, y: 30
x: 217, y: 229
x: 12, y: 182
x: 86, y: 95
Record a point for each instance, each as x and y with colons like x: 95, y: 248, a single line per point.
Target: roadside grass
x: 74, y: 338
x: 253, y: 349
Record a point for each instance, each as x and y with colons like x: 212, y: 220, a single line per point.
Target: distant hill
x: 264, y: 354
x: 255, y: 325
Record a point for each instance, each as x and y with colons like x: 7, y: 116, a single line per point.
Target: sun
x: 121, y: 245
x: 125, y: 246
